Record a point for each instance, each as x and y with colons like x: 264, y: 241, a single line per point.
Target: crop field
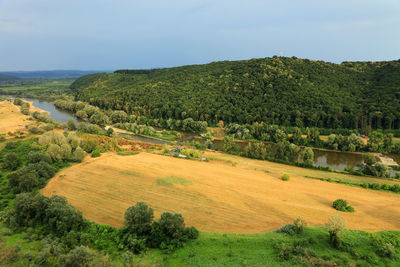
x: 216, y: 196
x: 11, y: 119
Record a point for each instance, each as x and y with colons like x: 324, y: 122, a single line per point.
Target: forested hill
x: 278, y: 90
x: 4, y: 77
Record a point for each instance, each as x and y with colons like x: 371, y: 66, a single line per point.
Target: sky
x: 118, y: 34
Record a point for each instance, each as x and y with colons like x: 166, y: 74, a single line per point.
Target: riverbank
x: 11, y: 118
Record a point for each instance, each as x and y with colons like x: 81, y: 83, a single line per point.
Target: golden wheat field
x: 217, y: 196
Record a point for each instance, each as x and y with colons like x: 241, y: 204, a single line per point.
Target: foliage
x: 71, y: 125
x: 285, y: 177
x: 341, y: 205
x: 95, y: 153
x: 79, y: 256
x: 11, y: 161
x: 138, y: 219
x: 297, y: 227
x: 335, y: 226
x: 310, y: 93
x: 78, y: 155
x: 371, y: 167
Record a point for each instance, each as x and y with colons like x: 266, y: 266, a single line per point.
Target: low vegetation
x: 342, y: 205
x: 285, y: 177
x: 28, y: 164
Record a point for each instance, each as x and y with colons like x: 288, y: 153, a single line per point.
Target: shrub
x: 71, y: 125
x: 82, y: 127
x: 55, y: 152
x: 94, y: 129
x: 296, y: 228
x: 78, y: 154
x: 387, y: 250
x: 11, y: 161
x: 110, y: 131
x: 89, y: 144
x: 48, y: 127
x: 52, y: 138
x: 79, y: 256
x: 95, y: 153
x: 35, y: 130
x: 25, y: 110
x: 335, y: 226
x: 285, y: 177
x: 341, y: 205
x: 289, y: 229
x: 74, y: 141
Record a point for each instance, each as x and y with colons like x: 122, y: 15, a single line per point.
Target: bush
x: 387, y: 250
x: 48, y: 127
x: 95, y: 153
x: 285, y: 177
x: 11, y: 161
x: 78, y: 155
x: 341, y: 205
x: 71, y: 125
x: 89, y: 144
x: 35, y: 130
x: 296, y: 228
x: 79, y: 256
x: 335, y: 226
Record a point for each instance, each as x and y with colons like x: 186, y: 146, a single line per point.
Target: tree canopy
x: 278, y: 90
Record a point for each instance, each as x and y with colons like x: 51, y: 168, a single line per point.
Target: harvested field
x: 11, y: 119
x: 217, y: 196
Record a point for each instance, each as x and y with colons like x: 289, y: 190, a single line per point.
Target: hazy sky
x: 114, y: 34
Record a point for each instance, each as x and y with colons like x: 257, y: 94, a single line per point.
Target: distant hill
x: 50, y: 74
x: 278, y: 90
x: 4, y: 77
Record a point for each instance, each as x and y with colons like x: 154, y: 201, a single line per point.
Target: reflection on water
x: 55, y: 114
x: 335, y: 160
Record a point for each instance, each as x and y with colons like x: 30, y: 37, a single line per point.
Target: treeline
x: 278, y: 90
x: 36, y: 88
x: 282, y: 152
x: 378, y: 141
x: 100, y: 117
x: 26, y: 167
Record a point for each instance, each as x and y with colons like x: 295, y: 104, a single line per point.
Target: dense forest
x: 278, y: 90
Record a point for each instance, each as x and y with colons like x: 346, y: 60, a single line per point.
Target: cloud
x: 113, y: 33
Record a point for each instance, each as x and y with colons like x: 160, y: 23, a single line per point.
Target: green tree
x: 79, y: 154
x: 11, y: 161
x: 138, y: 219
x: 335, y: 226
x: 230, y: 145
x: 71, y: 125
x: 308, y: 156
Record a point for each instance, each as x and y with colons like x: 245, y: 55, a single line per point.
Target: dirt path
x: 216, y: 196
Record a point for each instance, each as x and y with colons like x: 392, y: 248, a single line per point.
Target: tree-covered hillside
x: 278, y: 90
x: 5, y: 77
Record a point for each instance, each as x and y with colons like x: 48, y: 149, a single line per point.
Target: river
x: 335, y: 159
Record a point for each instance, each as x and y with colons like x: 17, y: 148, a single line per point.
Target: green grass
x: 35, y: 88
x: 233, y: 163
x: 129, y: 173
x: 212, y: 249
x: 171, y: 180
x: 264, y: 249
x: 127, y: 153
